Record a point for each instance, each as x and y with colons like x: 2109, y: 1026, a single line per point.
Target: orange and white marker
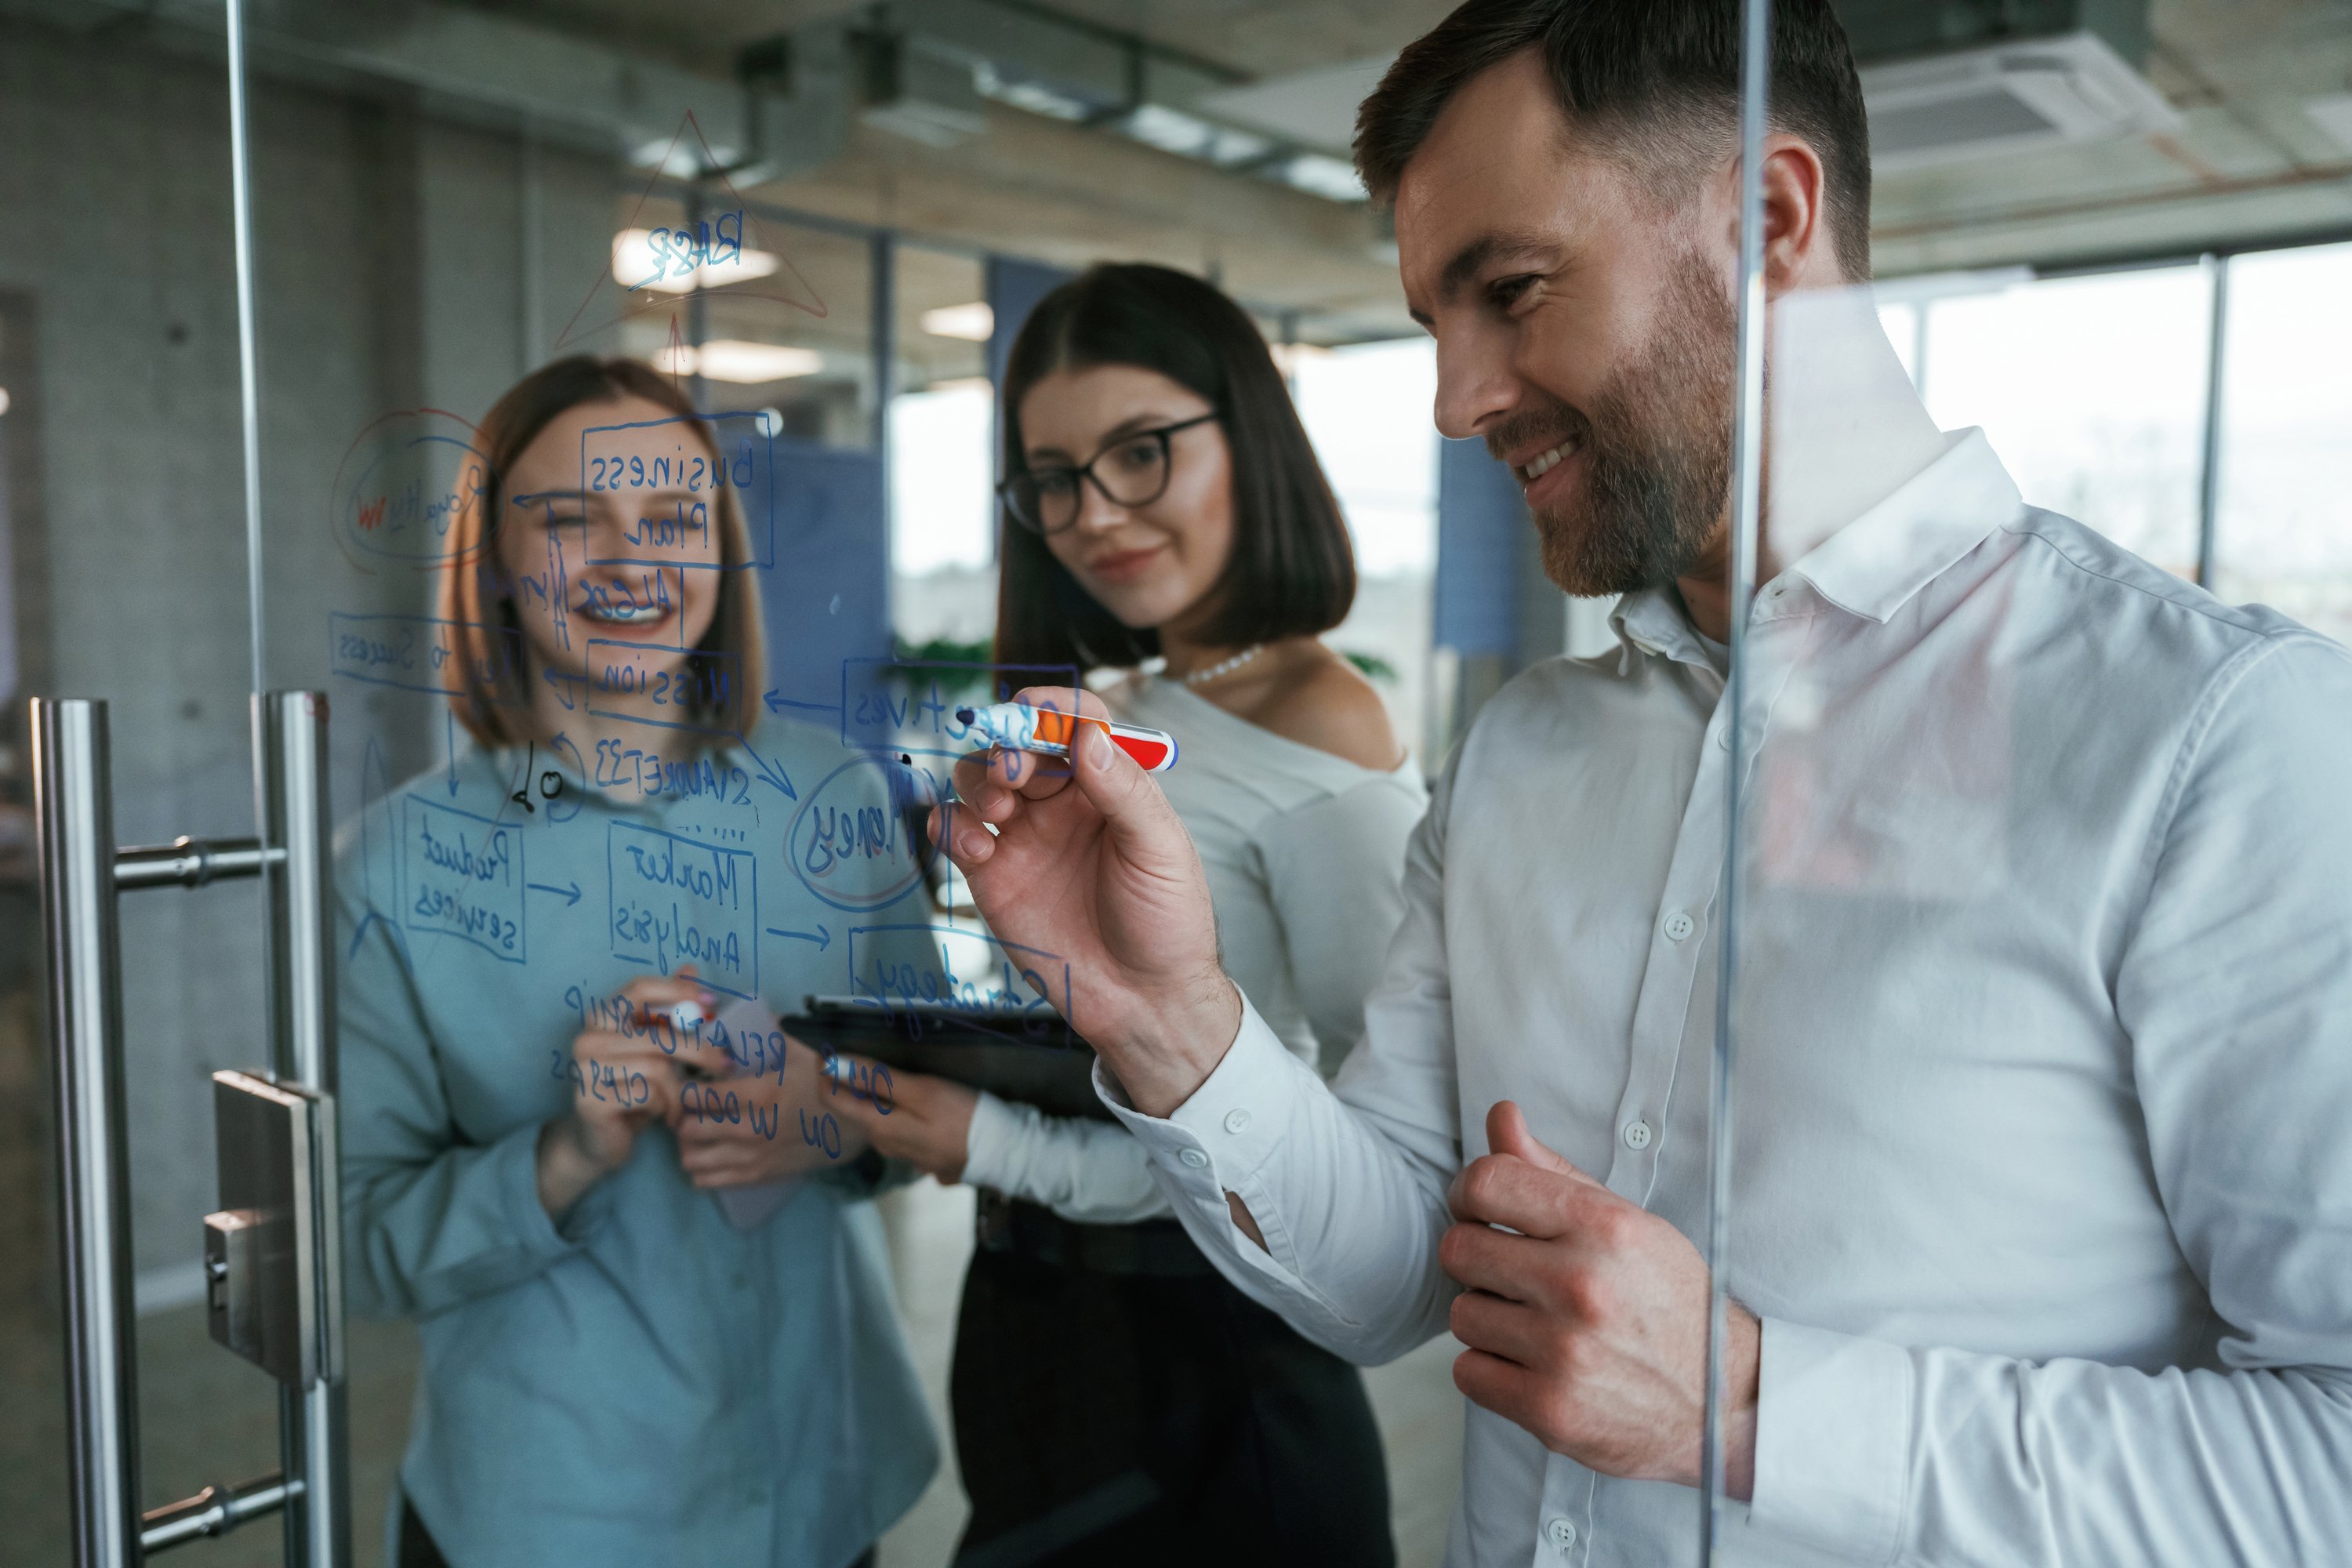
x: 1017, y: 727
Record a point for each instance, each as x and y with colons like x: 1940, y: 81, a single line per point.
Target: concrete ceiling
x: 2248, y: 164
x: 1031, y: 187
x: 1268, y: 38
x: 1252, y: 38
x: 703, y: 34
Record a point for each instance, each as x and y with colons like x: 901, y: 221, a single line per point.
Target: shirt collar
x: 1874, y: 564
x: 1651, y: 621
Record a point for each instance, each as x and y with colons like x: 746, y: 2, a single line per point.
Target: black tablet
x: 1032, y: 1055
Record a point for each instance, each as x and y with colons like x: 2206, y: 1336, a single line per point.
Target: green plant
x: 956, y: 666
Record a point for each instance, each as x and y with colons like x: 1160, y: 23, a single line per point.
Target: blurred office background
x: 2117, y: 234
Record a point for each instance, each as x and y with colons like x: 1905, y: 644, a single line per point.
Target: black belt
x: 1155, y: 1248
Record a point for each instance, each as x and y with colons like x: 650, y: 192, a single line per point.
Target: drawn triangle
x: 609, y: 302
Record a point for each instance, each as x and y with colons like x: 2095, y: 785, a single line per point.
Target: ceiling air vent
x: 2006, y: 98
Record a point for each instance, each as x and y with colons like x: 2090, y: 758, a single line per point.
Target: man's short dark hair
x: 1656, y: 81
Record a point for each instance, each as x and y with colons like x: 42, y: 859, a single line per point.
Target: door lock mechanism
x: 267, y: 1283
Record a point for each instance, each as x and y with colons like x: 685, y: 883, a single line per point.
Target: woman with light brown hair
x: 645, y: 1337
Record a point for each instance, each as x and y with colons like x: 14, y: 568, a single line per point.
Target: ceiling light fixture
x: 974, y: 323
x: 734, y: 360
x: 665, y: 265
x: 1333, y: 179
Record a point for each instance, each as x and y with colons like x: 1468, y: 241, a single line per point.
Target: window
x: 942, y: 456
x: 1367, y: 409
x: 2283, y: 528
x: 2092, y: 390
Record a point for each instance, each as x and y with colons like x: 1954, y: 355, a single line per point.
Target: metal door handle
x: 273, y: 1269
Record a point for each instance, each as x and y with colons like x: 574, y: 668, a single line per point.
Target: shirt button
x: 1679, y: 925
x: 1194, y: 1158
x: 1723, y: 737
x: 1561, y: 1533
x: 1236, y: 1121
x: 1637, y: 1134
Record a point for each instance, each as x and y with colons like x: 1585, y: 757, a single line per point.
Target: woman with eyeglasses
x: 1117, y: 1400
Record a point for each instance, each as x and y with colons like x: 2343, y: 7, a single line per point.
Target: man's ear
x: 1797, y: 245
x: 1796, y: 230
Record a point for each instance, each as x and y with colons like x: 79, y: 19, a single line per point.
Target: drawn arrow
x: 450, y: 720
x: 821, y: 937
x: 571, y: 895
x: 770, y: 772
x: 777, y: 702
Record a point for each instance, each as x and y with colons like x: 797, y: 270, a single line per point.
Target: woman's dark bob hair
x: 1292, y: 572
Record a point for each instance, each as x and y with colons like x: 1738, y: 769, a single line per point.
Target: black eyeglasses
x: 1132, y: 471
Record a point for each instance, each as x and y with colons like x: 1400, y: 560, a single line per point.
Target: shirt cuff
x: 515, y: 1160
x: 997, y: 1129
x: 1833, y: 1440
x: 1217, y: 1140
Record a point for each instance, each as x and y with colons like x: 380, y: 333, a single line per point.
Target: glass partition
x: 122, y: 536
x: 628, y: 453
x: 2020, y: 827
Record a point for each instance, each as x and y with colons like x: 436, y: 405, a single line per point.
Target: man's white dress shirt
x: 2043, y: 1109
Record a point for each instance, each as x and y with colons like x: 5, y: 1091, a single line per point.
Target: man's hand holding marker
x: 1090, y: 863
x: 1584, y: 1314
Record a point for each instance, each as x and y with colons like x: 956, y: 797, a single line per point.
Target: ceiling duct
x: 1035, y: 59
x: 915, y: 93
x: 787, y: 112
x: 1963, y: 79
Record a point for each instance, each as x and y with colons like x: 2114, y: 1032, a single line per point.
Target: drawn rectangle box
x: 463, y: 876
x: 671, y: 900
x: 621, y: 670
x: 964, y: 968
x: 687, y: 476
x: 892, y: 705
x: 419, y: 653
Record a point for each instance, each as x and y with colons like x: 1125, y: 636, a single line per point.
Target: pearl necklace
x: 1223, y: 666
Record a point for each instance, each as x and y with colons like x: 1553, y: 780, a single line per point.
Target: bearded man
x: 2041, y: 1233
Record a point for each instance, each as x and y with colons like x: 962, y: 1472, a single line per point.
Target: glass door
x: 124, y: 488
x: 573, y: 495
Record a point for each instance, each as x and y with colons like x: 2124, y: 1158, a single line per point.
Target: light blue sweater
x: 643, y: 1383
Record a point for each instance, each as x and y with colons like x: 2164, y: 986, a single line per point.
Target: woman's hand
x: 1090, y: 863
x: 910, y: 1116
x: 735, y: 1130
x: 621, y: 1083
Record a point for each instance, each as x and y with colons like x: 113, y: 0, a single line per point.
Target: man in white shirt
x: 2041, y: 1230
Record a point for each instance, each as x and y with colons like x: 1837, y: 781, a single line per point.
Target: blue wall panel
x: 1013, y: 289
x: 827, y: 597
x: 1481, y: 520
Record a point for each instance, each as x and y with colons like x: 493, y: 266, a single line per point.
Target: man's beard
x: 1656, y: 451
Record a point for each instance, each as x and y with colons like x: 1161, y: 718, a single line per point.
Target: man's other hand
x: 1589, y: 1326
x: 1089, y: 864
